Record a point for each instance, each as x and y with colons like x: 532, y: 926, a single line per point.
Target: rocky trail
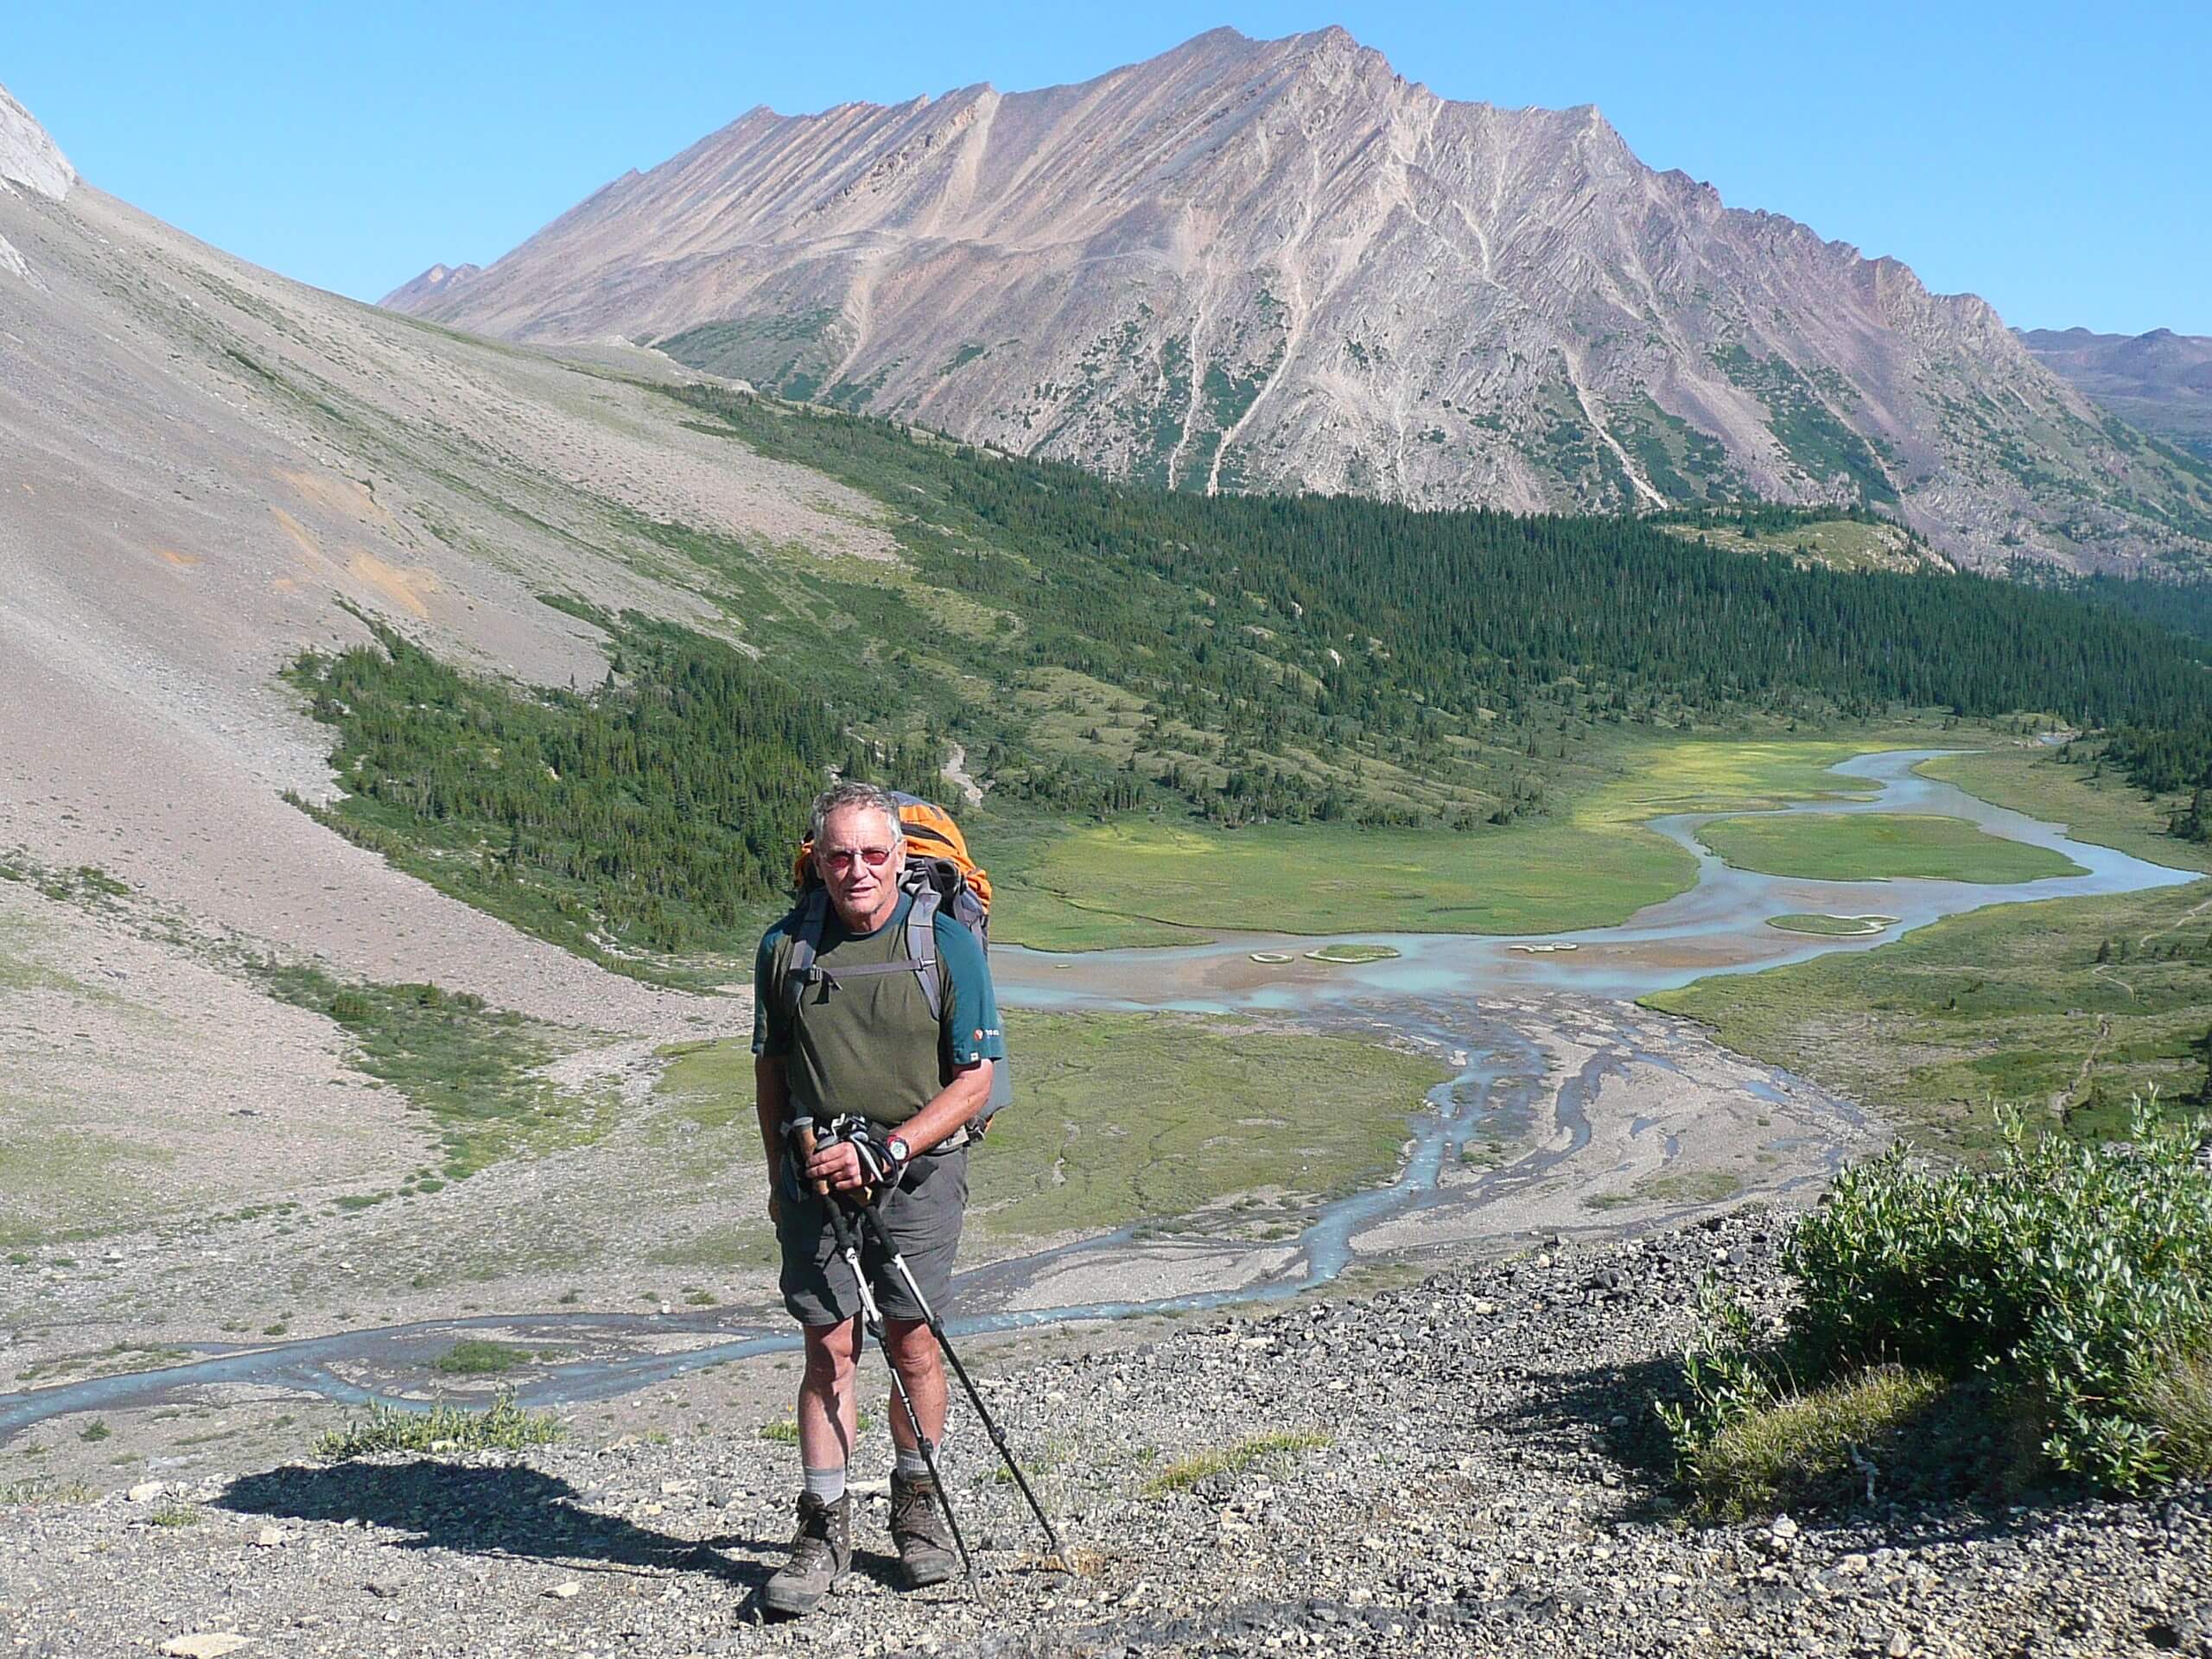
x: 1468, y: 1465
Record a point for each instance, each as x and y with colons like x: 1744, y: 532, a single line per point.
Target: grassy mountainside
x: 1403, y: 716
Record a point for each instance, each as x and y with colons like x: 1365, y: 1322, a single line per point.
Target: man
x: 858, y: 1036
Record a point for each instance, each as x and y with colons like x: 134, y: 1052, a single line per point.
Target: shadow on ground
x: 1964, y: 1466
x: 500, y: 1511
x: 1614, y: 1407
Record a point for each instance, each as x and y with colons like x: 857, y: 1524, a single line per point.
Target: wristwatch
x: 902, y: 1154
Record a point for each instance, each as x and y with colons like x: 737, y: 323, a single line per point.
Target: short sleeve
x: 770, y: 1021
x: 971, y: 1012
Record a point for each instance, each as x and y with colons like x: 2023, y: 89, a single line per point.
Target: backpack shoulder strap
x: 802, y: 969
x: 808, y: 916
x: 921, y: 946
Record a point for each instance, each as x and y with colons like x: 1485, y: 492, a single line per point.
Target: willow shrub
x: 2068, y: 1282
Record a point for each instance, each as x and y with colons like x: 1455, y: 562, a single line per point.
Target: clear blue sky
x: 2052, y: 158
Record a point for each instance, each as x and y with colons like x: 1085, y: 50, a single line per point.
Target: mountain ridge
x: 209, y: 467
x: 2160, y: 380
x: 1281, y: 265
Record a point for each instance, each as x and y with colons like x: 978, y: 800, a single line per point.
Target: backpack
x: 942, y: 878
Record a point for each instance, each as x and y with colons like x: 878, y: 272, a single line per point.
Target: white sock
x: 827, y: 1485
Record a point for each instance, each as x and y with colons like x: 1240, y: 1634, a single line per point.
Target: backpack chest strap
x: 803, y: 969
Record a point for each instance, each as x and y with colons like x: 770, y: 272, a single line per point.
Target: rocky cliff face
x: 1279, y: 265
x: 29, y: 160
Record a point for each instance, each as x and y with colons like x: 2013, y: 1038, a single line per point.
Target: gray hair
x: 841, y: 798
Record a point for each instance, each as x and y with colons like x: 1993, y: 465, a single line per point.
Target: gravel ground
x: 1472, y: 1467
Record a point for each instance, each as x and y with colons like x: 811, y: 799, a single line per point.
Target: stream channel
x: 1470, y: 999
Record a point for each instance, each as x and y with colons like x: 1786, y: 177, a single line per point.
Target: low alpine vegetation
x: 1187, y: 1473
x: 475, y: 1357
x: 503, y: 1426
x: 2059, y: 1297
x: 42, y: 1489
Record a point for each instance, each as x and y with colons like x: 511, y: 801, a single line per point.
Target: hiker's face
x: 865, y: 893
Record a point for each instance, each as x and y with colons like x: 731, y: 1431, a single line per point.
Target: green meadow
x: 1126, y: 1116
x: 2094, y: 805
x: 1590, y: 863
x: 1879, y: 846
x: 2069, y: 1008
x: 1334, y: 879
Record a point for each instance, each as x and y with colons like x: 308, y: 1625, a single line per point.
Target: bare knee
x: 911, y: 1344
x: 830, y: 1355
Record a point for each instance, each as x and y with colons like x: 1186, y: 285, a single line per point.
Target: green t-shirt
x: 869, y: 1044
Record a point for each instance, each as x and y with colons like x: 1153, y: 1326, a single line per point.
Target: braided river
x: 1551, y: 1056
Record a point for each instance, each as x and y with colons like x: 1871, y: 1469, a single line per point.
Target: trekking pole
x: 872, y: 1214
x: 872, y: 1317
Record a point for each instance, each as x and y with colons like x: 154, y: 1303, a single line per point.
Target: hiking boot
x: 822, y: 1554
x: 917, y: 1527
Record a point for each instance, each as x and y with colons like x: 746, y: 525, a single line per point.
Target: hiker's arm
x: 972, y: 1044
x: 773, y: 1099
x: 953, y: 1109
x: 957, y: 1103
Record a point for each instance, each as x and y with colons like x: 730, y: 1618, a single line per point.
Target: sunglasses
x: 836, y: 858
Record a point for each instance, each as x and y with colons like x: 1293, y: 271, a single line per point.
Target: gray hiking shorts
x: 923, y: 1216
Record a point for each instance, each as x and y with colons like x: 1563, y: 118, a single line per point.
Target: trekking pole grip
x: 801, y: 1135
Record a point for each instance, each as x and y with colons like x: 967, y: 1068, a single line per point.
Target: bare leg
x: 913, y: 1349
x: 827, y: 1399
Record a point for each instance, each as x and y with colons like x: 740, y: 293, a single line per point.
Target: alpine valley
x: 1408, y: 902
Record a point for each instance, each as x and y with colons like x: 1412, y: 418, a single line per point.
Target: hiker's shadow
x: 495, y: 1511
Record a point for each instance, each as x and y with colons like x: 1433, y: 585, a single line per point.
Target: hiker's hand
x: 835, y: 1165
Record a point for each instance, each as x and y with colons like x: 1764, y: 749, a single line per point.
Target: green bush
x: 2068, y: 1281
x: 475, y: 1357
x: 503, y: 1426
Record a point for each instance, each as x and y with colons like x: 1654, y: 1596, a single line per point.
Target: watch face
x: 896, y: 1145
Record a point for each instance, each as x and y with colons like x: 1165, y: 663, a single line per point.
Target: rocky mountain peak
x: 29, y: 159
x: 434, y: 283
x: 1281, y: 265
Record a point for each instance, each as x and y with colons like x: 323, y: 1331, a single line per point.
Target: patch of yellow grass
x: 1727, y: 775
x: 2180, y: 1395
x: 1748, y: 1466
